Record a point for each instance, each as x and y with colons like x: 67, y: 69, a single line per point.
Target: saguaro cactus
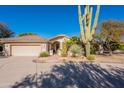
x: 86, y: 28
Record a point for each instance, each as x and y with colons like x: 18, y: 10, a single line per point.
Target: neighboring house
x: 32, y: 45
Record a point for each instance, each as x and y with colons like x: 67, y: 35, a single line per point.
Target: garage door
x: 25, y: 50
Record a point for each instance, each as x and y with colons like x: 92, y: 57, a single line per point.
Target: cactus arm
x: 88, y: 7
x: 85, y: 22
x: 85, y: 17
x: 95, y: 20
x: 90, y: 21
x: 90, y: 18
x: 81, y: 24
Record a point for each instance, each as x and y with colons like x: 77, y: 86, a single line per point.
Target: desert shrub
x: 114, y: 45
x: 75, y: 50
x: 63, y: 53
x: 92, y: 50
x: 121, y: 47
x: 65, y: 47
x: 91, y: 57
x: 44, y: 54
x: 75, y: 40
x: 94, y: 46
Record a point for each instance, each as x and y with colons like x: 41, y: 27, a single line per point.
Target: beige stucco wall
x: 7, y: 49
x: 44, y: 47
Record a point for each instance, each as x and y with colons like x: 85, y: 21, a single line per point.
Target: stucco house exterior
x: 32, y: 45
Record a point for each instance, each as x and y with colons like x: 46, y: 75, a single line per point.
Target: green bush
x: 63, y: 53
x: 91, y: 57
x: 75, y: 50
x: 114, y: 45
x: 44, y: 54
x: 121, y: 47
x: 92, y: 50
x: 64, y: 49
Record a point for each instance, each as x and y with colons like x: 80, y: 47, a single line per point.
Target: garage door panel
x: 26, y: 50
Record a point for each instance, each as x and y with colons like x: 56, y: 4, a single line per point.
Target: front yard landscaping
x: 115, y: 58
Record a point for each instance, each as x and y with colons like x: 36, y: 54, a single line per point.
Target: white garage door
x: 25, y: 50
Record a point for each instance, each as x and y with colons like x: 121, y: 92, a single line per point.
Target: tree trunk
x: 87, y: 49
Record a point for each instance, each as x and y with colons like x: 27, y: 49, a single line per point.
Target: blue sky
x: 48, y: 21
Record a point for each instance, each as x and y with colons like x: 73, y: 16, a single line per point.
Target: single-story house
x: 32, y: 45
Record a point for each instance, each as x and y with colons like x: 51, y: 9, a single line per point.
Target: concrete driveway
x: 16, y: 69
x: 13, y: 69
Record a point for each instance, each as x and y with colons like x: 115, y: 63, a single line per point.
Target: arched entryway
x: 1, y: 48
x: 55, y: 47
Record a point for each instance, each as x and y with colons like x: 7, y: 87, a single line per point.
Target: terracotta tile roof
x: 58, y: 36
x: 31, y: 38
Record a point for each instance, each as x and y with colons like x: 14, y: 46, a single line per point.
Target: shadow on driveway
x: 82, y: 75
